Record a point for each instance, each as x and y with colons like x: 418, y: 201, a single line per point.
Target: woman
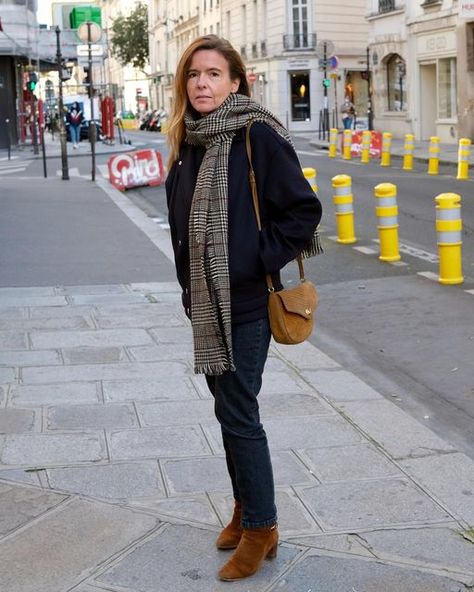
x: 221, y: 262
x: 75, y: 118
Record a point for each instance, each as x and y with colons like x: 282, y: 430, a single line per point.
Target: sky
x: 44, y: 12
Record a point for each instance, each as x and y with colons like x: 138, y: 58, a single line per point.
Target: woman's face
x: 208, y: 81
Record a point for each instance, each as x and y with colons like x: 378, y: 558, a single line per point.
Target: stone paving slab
x: 112, y: 481
x: 339, y: 543
x: 158, y: 287
x: 157, y: 567
x: 7, y: 375
x: 172, y: 334
x: 70, y: 322
x: 25, y: 300
x: 87, y: 372
x: 104, y: 337
x: 346, y: 463
x: 81, y: 536
x: 450, y: 478
x: 336, y: 574
x: 441, y: 548
x: 30, y: 358
x: 82, y: 299
x: 20, y: 475
x: 369, y: 504
x: 13, y: 312
x: 283, y: 382
x: 340, y: 385
x: 304, y: 356
x: 72, y: 393
x: 16, y: 421
x: 27, y: 292
x: 94, y: 355
x: 32, y: 502
x: 157, y: 442
x: 155, y: 388
x: 81, y: 417
x: 52, y: 449
x: 93, y: 289
x: 169, y: 351
x: 60, y: 312
x: 393, y: 429
x: 3, y: 394
x: 159, y: 320
x: 195, y: 509
x: 13, y: 340
x: 176, y: 412
x: 293, y: 405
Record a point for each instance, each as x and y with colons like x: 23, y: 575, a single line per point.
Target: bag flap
x: 301, y: 299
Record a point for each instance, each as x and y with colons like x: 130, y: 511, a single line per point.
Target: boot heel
x: 272, y: 553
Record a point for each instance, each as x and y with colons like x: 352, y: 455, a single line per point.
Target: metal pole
x: 62, y: 128
x: 325, y: 101
x: 370, y: 115
x: 9, y: 147
x: 43, y: 150
x: 91, y: 98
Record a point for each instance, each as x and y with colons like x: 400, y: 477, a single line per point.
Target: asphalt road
x: 406, y: 335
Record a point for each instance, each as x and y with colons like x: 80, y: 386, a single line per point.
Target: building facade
x: 283, y: 44
x: 422, y: 55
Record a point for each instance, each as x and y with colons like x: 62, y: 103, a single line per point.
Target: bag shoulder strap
x: 256, y: 206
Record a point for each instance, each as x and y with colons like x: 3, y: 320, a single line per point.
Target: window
x: 300, y: 97
x: 396, y: 83
x: 300, y: 23
x: 447, y: 88
x: 386, y: 5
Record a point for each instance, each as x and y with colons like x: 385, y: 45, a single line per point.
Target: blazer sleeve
x: 290, y: 208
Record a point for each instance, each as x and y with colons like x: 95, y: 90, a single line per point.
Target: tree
x: 130, y: 38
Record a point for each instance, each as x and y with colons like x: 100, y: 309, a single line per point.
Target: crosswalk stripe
x: 73, y: 172
x: 5, y: 171
x: 103, y: 170
x: 11, y: 158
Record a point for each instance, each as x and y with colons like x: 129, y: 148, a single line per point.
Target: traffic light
x: 32, y: 81
x: 326, y: 83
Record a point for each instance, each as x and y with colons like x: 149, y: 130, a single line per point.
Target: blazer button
x: 180, y: 163
x: 179, y: 242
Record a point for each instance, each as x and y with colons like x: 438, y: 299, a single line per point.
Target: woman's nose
x: 201, y: 80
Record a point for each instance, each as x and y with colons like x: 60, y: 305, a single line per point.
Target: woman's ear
x: 235, y: 85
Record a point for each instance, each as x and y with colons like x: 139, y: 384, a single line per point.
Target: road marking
x: 429, y: 275
x: 333, y: 238
x: 365, y: 250
x: 164, y: 225
x: 103, y: 170
x: 73, y: 172
x: 11, y: 158
x: 11, y: 170
x: 157, y: 219
x: 306, y: 153
x: 469, y: 292
x: 158, y: 141
x: 138, y: 143
x: 415, y: 252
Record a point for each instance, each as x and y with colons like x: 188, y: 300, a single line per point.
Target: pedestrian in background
x: 75, y: 117
x: 221, y: 262
x: 348, y: 112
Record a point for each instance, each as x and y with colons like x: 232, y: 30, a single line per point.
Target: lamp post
x: 370, y: 115
x: 89, y: 33
x: 62, y: 128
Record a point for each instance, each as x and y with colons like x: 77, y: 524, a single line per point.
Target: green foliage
x: 130, y: 38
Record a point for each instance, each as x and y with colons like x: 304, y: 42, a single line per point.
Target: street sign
x: 96, y: 50
x: 333, y: 62
x: 135, y: 169
x: 84, y: 62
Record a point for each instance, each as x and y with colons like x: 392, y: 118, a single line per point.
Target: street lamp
x: 62, y: 128
x: 370, y: 114
x: 89, y: 33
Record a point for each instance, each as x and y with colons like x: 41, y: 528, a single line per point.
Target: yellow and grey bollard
x: 387, y: 221
x: 448, y: 230
x: 310, y: 175
x: 386, y: 149
x: 366, y: 141
x: 463, y: 159
x: 409, y: 150
x: 433, y: 150
x: 343, y: 201
x: 333, y: 132
x: 347, y: 145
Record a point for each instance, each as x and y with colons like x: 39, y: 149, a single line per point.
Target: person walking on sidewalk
x: 348, y: 112
x: 75, y: 118
x: 221, y: 261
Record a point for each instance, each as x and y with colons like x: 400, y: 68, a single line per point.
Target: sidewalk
x: 112, y: 472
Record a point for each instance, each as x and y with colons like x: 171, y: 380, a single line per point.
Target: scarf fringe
x: 315, y: 247
x: 213, y: 369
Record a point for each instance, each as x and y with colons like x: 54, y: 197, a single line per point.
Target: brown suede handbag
x: 291, y: 311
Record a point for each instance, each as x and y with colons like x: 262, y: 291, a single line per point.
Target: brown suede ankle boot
x: 255, y: 545
x: 230, y: 536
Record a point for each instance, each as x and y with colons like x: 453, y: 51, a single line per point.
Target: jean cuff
x: 261, y: 524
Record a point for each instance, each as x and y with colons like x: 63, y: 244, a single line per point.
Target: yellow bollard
x: 346, y: 152
x: 343, y: 201
x: 333, y: 132
x: 366, y: 141
x: 463, y: 159
x: 448, y: 229
x: 386, y: 149
x: 433, y: 162
x: 310, y: 175
x: 387, y: 221
x: 409, y: 150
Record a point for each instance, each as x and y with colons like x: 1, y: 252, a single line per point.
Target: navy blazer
x: 289, y: 208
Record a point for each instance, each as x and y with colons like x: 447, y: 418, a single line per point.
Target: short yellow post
x: 366, y: 141
x: 310, y: 175
x: 387, y: 221
x: 409, y: 151
x: 433, y: 150
x: 448, y: 230
x: 346, y: 151
x: 343, y: 201
x: 463, y: 159
x: 333, y: 132
x: 386, y: 149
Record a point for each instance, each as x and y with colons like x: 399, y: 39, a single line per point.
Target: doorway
x: 428, y: 100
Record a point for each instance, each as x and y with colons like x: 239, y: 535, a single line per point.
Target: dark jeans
x: 245, y: 441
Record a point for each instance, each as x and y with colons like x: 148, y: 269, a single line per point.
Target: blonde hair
x: 176, y: 129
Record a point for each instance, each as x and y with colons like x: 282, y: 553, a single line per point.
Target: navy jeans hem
x: 261, y: 524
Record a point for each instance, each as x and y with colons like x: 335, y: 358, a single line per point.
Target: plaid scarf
x: 208, y: 225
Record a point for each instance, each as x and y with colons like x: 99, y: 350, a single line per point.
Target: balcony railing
x: 299, y: 42
x: 386, y: 6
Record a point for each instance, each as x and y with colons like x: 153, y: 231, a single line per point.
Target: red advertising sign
x: 134, y: 169
x: 356, y: 147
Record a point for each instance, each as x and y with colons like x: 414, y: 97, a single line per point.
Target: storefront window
x: 300, y: 97
x: 447, y: 88
x: 396, y: 83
